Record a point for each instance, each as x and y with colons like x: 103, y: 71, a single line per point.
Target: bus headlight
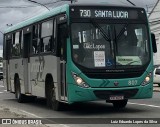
x: 147, y: 79
x: 79, y: 81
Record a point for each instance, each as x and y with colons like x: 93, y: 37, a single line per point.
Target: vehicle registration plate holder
x: 116, y: 97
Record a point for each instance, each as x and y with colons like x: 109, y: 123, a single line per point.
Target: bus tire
x: 119, y: 104
x: 20, y: 97
x: 51, y: 97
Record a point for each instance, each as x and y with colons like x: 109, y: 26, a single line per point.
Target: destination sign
x: 104, y: 14
x: 107, y: 13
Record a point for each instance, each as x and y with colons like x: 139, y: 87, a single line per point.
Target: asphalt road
x: 143, y: 108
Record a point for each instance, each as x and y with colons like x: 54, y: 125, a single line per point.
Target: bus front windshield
x: 110, y: 46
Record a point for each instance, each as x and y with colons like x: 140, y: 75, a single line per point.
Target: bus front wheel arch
x: 51, y: 94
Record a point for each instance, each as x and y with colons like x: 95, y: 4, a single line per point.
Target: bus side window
x: 7, y: 47
x: 35, y: 41
x: 16, y: 46
x: 46, y: 36
x: 21, y: 41
x: 61, y: 42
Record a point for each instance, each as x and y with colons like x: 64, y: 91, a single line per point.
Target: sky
x: 15, y: 11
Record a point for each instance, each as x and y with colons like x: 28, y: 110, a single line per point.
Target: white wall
x: 154, y: 20
x: 1, y: 50
x: 156, y: 56
x: 1, y: 53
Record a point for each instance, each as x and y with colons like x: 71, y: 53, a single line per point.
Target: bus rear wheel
x: 119, y: 104
x: 51, y: 98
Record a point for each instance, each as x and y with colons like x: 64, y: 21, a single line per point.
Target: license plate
x: 116, y: 98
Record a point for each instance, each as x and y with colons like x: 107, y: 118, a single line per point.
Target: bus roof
x: 37, y: 18
x: 55, y: 11
x: 103, y: 4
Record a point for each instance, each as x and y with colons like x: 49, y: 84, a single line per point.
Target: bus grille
x: 105, y: 94
x: 121, y: 75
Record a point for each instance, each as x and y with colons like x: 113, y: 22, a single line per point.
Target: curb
x: 156, y: 90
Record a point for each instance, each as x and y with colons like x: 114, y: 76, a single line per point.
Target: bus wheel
x: 20, y: 97
x: 51, y: 98
x: 119, y: 104
x: 56, y: 105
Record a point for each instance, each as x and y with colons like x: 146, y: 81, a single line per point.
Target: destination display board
x: 107, y: 12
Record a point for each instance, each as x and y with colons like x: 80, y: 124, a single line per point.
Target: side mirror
x: 154, y: 45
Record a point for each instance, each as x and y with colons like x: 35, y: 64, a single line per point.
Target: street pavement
x: 13, y: 113
x: 142, y: 108
x: 6, y: 112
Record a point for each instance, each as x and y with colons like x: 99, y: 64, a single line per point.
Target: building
x: 1, y: 51
x: 154, y: 20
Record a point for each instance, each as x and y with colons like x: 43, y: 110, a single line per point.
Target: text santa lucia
x: 111, y: 14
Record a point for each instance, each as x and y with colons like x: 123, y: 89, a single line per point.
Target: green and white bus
x: 76, y: 53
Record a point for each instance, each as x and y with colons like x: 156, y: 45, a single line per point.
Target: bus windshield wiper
x: 122, y: 31
x: 103, y: 33
x: 106, y: 37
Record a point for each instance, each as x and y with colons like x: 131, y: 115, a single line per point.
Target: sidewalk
x: 10, y: 113
x: 6, y: 113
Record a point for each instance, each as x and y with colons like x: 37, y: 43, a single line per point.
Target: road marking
x: 155, y: 106
x: 30, y: 113
x: 1, y: 92
x: 1, y: 86
x: 5, y: 90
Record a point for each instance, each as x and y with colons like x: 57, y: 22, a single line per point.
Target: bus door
x: 6, y: 54
x: 25, y: 61
x: 62, y: 46
x: 8, y: 83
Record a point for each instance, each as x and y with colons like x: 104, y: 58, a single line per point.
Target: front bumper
x: 78, y: 94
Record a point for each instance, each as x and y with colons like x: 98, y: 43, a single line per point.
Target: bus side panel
x: 15, y: 67
x: 40, y: 66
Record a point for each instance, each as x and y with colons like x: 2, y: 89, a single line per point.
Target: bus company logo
x: 116, y: 83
